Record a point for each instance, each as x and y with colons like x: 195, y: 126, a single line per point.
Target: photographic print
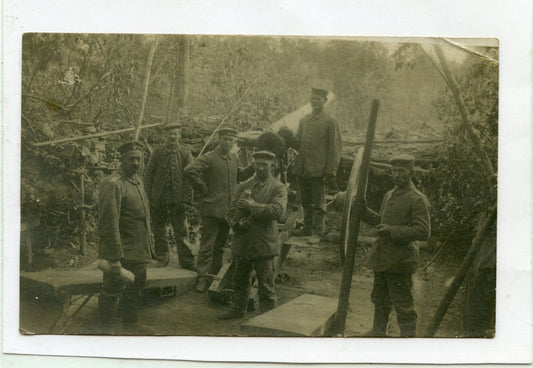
x: 281, y: 186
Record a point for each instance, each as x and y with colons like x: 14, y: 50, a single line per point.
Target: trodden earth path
x: 310, y: 268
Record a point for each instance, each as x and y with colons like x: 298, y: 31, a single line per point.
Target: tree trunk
x: 146, y: 82
x: 182, y: 87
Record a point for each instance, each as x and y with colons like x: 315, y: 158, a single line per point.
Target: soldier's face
x: 263, y: 168
x: 401, y: 175
x: 173, y: 135
x: 132, y: 162
x: 317, y: 102
x: 226, y: 142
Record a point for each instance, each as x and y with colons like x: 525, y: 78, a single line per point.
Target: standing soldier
x: 319, y: 152
x: 256, y: 208
x: 167, y: 191
x: 403, y: 219
x: 214, y: 176
x: 124, y: 230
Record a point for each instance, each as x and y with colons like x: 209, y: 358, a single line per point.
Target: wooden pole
x: 461, y: 273
x: 346, y: 283
x: 83, y: 226
x: 146, y: 83
x: 452, y: 83
x: 94, y: 135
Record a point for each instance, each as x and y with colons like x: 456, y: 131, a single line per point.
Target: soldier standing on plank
x: 257, y: 206
x: 319, y: 145
x: 124, y: 231
x: 167, y: 191
x: 214, y: 176
x: 403, y: 219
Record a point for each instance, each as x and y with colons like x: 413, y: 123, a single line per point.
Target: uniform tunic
x: 124, y: 219
x: 320, y: 146
x: 261, y: 238
x: 215, y: 176
x: 164, y: 175
x: 407, y: 212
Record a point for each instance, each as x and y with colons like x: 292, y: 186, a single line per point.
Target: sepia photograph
x: 244, y: 185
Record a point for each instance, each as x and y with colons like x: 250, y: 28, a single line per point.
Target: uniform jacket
x: 320, y: 146
x: 407, y: 211
x: 261, y: 238
x: 160, y: 172
x: 214, y: 175
x: 124, y: 219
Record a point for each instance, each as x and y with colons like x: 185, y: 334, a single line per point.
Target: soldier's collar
x: 316, y: 116
x: 398, y: 190
x: 134, y: 179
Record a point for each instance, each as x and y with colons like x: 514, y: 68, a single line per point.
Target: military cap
x: 265, y: 155
x: 402, y: 160
x: 172, y: 126
x: 130, y: 146
x: 227, y: 131
x: 320, y: 92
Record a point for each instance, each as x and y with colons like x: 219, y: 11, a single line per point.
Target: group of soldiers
x: 248, y: 204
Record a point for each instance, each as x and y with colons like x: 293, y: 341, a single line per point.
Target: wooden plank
x: 306, y: 315
x: 84, y: 282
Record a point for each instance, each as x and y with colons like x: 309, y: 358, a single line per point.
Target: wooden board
x: 306, y: 315
x: 86, y: 281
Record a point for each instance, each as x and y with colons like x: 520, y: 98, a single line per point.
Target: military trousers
x: 175, y: 214
x: 116, y: 295
x: 214, y: 236
x: 394, y: 289
x: 313, y: 198
x: 242, y: 283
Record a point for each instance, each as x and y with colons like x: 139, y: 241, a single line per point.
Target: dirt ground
x: 311, y: 268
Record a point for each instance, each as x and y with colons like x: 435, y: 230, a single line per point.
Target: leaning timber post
x: 452, y: 84
x: 346, y: 283
x: 461, y: 273
x: 94, y: 135
x: 83, y: 226
x: 146, y: 83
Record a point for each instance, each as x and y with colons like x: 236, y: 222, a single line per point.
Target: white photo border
x: 510, y: 22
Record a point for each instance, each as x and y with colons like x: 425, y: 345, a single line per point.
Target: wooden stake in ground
x: 346, y: 283
x: 461, y: 273
x: 146, y: 82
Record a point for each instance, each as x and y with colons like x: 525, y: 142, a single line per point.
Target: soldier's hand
x: 245, y: 203
x: 384, y: 231
x: 115, y: 267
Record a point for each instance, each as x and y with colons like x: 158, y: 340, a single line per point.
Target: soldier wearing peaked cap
x: 214, y: 176
x: 403, y: 219
x: 124, y: 232
x: 257, y: 206
x: 319, y: 152
x: 168, y: 191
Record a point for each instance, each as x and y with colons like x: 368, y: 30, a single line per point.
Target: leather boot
x: 381, y: 320
x: 107, y: 307
x: 408, y: 329
x: 319, y: 222
x: 308, y: 223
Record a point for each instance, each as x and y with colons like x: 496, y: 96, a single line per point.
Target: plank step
x: 306, y: 315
